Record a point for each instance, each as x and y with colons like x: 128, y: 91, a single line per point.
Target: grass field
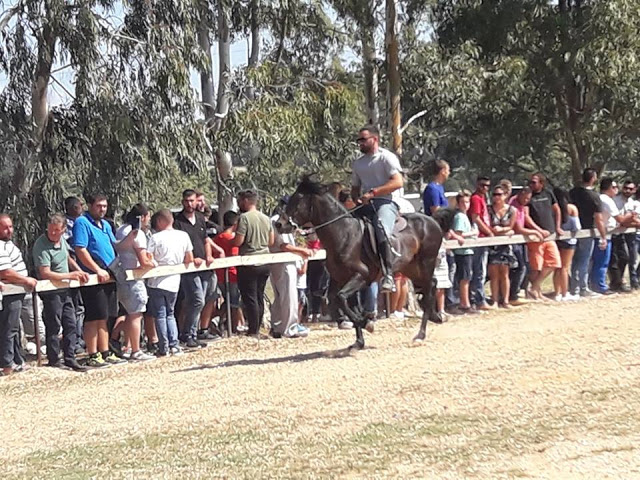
x: 545, y: 391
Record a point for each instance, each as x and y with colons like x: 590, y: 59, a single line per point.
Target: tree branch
x: 413, y: 119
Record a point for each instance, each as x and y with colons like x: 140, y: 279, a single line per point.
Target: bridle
x: 315, y: 228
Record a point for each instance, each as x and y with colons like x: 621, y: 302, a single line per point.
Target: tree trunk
x: 254, y: 54
x: 206, y: 76
x: 393, y: 74
x: 370, y: 65
x: 223, y: 159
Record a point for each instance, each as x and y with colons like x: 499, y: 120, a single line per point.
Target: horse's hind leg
x: 427, y: 285
x: 359, y: 345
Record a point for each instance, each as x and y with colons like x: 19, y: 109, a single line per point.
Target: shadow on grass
x: 301, y: 357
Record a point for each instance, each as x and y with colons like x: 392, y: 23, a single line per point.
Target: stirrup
x: 385, y: 287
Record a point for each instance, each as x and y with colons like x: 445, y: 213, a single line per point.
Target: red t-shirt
x: 314, y: 244
x: 223, y: 240
x: 478, y: 206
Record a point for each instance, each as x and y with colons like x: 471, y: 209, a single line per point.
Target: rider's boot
x: 387, y: 284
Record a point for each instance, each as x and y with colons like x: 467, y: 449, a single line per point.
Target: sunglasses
x: 627, y: 189
x: 497, y: 194
x: 362, y: 139
x: 485, y: 185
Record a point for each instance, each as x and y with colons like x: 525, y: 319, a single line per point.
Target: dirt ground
x: 543, y: 391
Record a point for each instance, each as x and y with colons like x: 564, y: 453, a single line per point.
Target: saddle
x: 369, y: 240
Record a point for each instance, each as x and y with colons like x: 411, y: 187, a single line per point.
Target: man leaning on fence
x: 52, y: 262
x: 12, y: 270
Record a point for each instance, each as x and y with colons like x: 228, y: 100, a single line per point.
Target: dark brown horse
x: 351, y: 265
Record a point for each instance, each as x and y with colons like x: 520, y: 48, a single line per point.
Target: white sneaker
x: 399, y: 315
x: 558, y: 298
x: 140, y: 356
x: 570, y: 298
x: 176, y: 351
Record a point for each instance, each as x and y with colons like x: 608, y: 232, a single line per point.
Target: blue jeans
x: 382, y: 213
x: 580, y: 265
x: 601, y: 260
x: 162, y: 305
x: 369, y: 298
x: 10, y: 331
x: 476, y: 287
x: 195, y: 287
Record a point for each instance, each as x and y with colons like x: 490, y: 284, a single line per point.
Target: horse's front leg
x: 355, y: 284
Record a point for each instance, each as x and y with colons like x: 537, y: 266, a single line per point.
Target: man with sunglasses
x: 376, y: 175
x: 479, y: 215
x: 624, y: 247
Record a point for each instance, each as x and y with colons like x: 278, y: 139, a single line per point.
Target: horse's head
x: 283, y: 223
x: 300, y: 206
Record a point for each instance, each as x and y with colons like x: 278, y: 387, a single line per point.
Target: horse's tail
x: 444, y: 217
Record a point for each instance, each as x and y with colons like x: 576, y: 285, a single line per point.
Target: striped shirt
x: 11, y: 258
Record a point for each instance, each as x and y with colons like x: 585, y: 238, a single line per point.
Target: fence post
x: 227, y: 300
x: 36, y: 326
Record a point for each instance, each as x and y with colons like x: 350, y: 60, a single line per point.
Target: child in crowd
x: 464, y: 256
x: 302, y: 266
x: 168, y: 247
x: 224, y: 240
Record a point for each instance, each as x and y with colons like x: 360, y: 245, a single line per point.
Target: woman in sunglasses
x: 502, y: 217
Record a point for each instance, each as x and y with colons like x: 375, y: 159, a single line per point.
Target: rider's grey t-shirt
x: 371, y: 171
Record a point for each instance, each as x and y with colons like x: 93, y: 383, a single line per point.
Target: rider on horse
x: 376, y: 175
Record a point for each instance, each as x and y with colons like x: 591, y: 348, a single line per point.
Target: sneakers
x: 140, y: 356
x: 96, y: 361
x: 345, y: 325
x: 570, y: 298
x: 297, y: 331
x: 589, y: 294
x: 176, y: 351
x: 153, y: 348
x: 116, y: 347
x: 193, y: 343
x: 206, y: 335
x: 113, y: 360
x: 75, y: 366
x: 398, y: 315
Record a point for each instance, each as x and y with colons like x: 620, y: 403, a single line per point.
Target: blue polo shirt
x: 433, y: 196
x: 98, y: 240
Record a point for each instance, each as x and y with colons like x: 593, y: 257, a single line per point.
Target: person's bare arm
x: 557, y: 215
x: 599, y: 221
x: 144, y: 257
x: 11, y: 276
x: 46, y: 274
x: 394, y: 183
x: 85, y: 258
x: 483, y: 227
x: 302, y: 251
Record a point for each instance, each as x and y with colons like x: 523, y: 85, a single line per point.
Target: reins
x: 318, y: 227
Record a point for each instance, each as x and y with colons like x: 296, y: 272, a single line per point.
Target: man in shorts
x: 544, y: 257
x: 93, y: 245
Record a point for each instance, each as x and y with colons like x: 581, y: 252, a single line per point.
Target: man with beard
x: 376, y: 175
x: 12, y: 270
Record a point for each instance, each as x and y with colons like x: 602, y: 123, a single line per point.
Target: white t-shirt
x: 609, y: 211
x: 128, y: 257
x: 168, y: 248
x: 626, y: 205
x: 371, y: 171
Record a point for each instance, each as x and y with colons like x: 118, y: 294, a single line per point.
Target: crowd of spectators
x: 136, y: 320
x: 516, y: 272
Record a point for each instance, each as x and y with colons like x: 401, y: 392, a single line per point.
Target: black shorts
x: 464, y: 267
x: 100, y: 302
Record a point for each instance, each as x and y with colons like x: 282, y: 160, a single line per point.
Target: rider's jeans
x: 386, y: 213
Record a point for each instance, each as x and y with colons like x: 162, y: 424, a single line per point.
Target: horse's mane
x: 308, y: 186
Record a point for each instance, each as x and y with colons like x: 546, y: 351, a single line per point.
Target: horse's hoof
x: 356, y: 346
x: 370, y: 326
x: 418, y: 339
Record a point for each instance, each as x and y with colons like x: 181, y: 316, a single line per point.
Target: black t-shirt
x: 541, y: 211
x: 197, y: 232
x: 588, y: 203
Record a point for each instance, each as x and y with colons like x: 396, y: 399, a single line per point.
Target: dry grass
x: 546, y: 391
